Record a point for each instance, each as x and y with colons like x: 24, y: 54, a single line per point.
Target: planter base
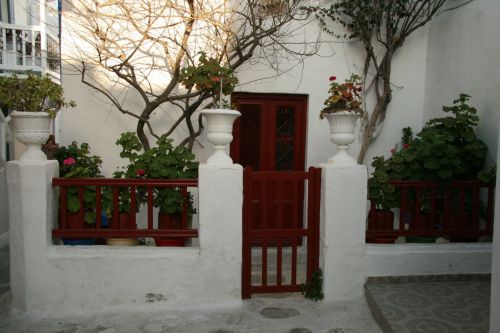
x: 121, y: 241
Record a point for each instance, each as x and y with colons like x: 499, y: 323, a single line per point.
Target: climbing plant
x: 382, y: 26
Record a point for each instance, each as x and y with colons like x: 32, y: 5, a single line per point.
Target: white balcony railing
x: 24, y: 48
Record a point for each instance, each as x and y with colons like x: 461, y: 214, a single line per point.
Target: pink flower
x: 393, y: 151
x: 333, y: 78
x: 140, y: 172
x: 406, y: 146
x: 69, y: 161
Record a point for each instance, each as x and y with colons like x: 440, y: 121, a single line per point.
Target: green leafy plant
x: 210, y: 77
x: 76, y: 162
x: 344, y: 96
x: 160, y: 162
x: 314, y: 288
x: 446, y: 149
x: 32, y: 93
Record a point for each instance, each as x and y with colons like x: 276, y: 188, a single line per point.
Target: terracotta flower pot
x: 381, y: 220
x: 169, y: 221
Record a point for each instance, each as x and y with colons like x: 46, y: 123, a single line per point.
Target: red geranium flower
x: 216, y: 79
x: 140, y: 172
x: 333, y: 78
x: 69, y: 161
x: 406, y: 146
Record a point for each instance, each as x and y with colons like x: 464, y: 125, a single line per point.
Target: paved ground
x: 285, y: 313
x: 427, y: 304
x: 292, y: 314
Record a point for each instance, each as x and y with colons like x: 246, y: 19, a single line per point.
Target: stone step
x: 437, y: 303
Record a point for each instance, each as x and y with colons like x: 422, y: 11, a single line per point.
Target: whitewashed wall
x: 94, y: 121
x: 4, y: 207
x: 464, y: 57
x: 51, y: 278
x: 495, y: 278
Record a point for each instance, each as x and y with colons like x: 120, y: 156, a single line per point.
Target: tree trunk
x: 141, y: 135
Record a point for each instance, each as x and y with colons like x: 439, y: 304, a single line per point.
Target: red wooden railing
x: 461, y: 209
x: 146, y: 186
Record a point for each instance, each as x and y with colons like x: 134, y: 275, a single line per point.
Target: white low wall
x: 427, y: 259
x: 4, y: 207
x: 49, y: 277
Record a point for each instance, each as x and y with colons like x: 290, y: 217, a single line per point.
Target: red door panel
x: 270, y: 136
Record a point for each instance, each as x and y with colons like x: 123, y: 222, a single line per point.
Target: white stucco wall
x: 96, y: 122
x: 495, y: 274
x: 427, y: 259
x: 463, y: 57
x: 4, y: 207
x: 48, y: 277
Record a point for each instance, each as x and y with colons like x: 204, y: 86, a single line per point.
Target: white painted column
x: 32, y: 208
x: 495, y: 267
x: 343, y: 227
x: 220, y: 212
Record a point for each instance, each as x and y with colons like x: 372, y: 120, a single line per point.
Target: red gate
x: 273, y: 228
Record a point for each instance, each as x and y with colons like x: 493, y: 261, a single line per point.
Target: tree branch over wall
x: 143, y: 45
x: 382, y: 26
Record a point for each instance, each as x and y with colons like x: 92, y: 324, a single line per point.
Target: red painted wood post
x: 81, y: 212
x: 295, y: 224
x: 185, y: 200
x: 98, y: 209
x: 150, y: 207
x: 63, y: 210
x: 247, y: 246
x: 115, y: 221
x: 133, y: 204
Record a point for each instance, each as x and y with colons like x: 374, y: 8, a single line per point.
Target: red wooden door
x: 270, y: 136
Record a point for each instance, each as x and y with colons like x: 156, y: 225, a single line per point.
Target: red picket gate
x: 274, y: 227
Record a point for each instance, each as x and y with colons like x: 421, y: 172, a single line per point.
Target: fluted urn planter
x: 32, y: 129
x: 219, y: 128
x: 342, y: 126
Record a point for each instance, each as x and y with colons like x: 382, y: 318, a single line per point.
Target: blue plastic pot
x: 69, y: 241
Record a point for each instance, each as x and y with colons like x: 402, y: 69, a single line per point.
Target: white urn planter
x: 342, y: 126
x: 219, y: 128
x: 32, y: 129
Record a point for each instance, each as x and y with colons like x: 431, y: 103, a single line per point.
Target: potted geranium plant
x: 162, y: 162
x: 342, y: 110
x: 446, y: 149
x: 34, y: 100
x: 75, y: 161
x: 211, y: 78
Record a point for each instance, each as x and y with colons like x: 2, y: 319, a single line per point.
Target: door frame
x: 273, y: 99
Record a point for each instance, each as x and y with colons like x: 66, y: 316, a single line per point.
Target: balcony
x: 29, y: 48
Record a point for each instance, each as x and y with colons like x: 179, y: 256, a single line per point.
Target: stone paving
x: 428, y: 304
x: 283, y: 313
x: 291, y: 314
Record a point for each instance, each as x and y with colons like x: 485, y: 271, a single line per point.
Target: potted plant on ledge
x: 163, y: 162
x: 35, y: 101
x: 211, y: 78
x: 342, y: 110
x: 76, y: 162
